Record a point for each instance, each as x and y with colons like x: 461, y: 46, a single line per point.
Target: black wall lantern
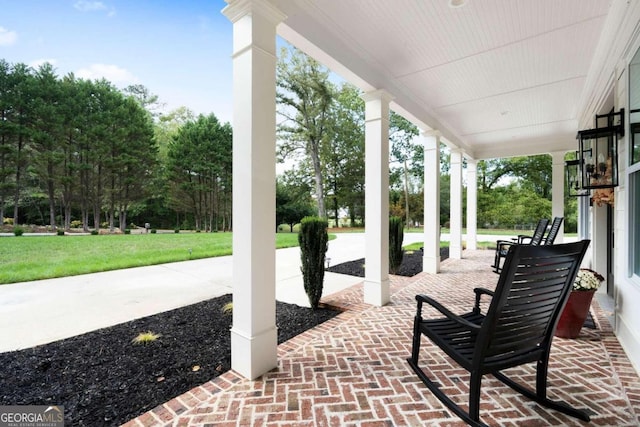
x: 574, y: 179
x: 598, y: 152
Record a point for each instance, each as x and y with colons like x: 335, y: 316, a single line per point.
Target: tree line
x: 82, y: 152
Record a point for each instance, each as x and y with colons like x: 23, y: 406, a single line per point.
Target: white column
x: 557, y: 189
x: 254, y: 337
x: 472, y: 204
x: 431, y: 255
x: 376, y: 137
x: 455, y: 209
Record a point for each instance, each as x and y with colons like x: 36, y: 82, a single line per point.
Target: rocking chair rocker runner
x: 517, y: 328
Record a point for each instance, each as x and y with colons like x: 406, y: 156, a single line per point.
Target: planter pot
x: 574, y: 314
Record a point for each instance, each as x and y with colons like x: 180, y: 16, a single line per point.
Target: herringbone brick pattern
x: 352, y: 371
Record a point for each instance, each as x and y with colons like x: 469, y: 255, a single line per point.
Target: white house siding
x: 626, y: 287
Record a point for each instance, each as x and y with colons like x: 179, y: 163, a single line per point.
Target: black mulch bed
x: 411, y: 264
x: 102, y: 379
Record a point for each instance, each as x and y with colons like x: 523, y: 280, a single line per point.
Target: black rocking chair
x: 502, y: 246
x: 517, y: 328
x: 553, y: 231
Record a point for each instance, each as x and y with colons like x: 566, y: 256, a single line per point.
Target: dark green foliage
x: 396, y: 235
x: 60, y: 232
x: 313, y: 238
x: 18, y: 231
x: 71, y: 147
x: 154, y: 231
x: 127, y: 231
x: 292, y: 204
x: 177, y: 230
x: 199, y: 166
x: 94, y: 232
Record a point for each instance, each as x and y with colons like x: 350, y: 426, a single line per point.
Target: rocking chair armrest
x: 442, y: 309
x: 479, y: 292
x: 522, y: 238
x: 504, y: 244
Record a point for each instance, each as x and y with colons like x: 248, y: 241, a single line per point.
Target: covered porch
x: 352, y: 370
x: 488, y: 79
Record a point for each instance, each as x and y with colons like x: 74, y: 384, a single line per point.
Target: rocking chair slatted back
x: 538, y: 234
x: 526, y: 305
x: 554, y: 230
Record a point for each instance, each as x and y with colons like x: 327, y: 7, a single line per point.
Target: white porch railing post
x: 431, y: 255
x: 455, y: 218
x: 472, y: 204
x: 376, y: 282
x: 254, y: 337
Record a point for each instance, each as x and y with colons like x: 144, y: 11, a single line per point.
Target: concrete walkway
x: 33, y: 313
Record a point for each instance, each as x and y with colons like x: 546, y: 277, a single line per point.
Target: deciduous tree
x: 304, y: 96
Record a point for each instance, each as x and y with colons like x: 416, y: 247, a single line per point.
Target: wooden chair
x: 517, y: 328
x: 538, y: 232
x: 502, y: 246
x: 553, y: 231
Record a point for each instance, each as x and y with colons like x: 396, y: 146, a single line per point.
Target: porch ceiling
x: 495, y: 77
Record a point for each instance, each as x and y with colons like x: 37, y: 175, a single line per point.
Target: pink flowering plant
x: 587, y: 280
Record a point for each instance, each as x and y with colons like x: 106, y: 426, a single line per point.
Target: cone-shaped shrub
x: 396, y: 235
x: 313, y: 239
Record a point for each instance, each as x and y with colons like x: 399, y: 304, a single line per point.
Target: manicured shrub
x: 94, y: 232
x: 76, y: 223
x: 396, y: 235
x: 127, y: 231
x: 60, y: 232
x: 177, y: 230
x: 154, y: 231
x: 18, y: 231
x: 313, y: 238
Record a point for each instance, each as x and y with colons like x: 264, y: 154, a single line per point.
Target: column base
x: 377, y: 293
x: 254, y: 356
x: 431, y: 265
x: 455, y: 252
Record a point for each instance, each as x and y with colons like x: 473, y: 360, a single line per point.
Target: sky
x: 180, y: 50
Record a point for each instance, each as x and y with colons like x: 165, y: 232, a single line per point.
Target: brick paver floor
x: 352, y: 371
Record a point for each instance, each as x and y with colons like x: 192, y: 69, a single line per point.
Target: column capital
x: 558, y: 156
x: 237, y: 9
x: 431, y: 132
x: 378, y: 94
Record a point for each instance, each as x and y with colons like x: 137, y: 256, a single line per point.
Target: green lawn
x: 40, y: 257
